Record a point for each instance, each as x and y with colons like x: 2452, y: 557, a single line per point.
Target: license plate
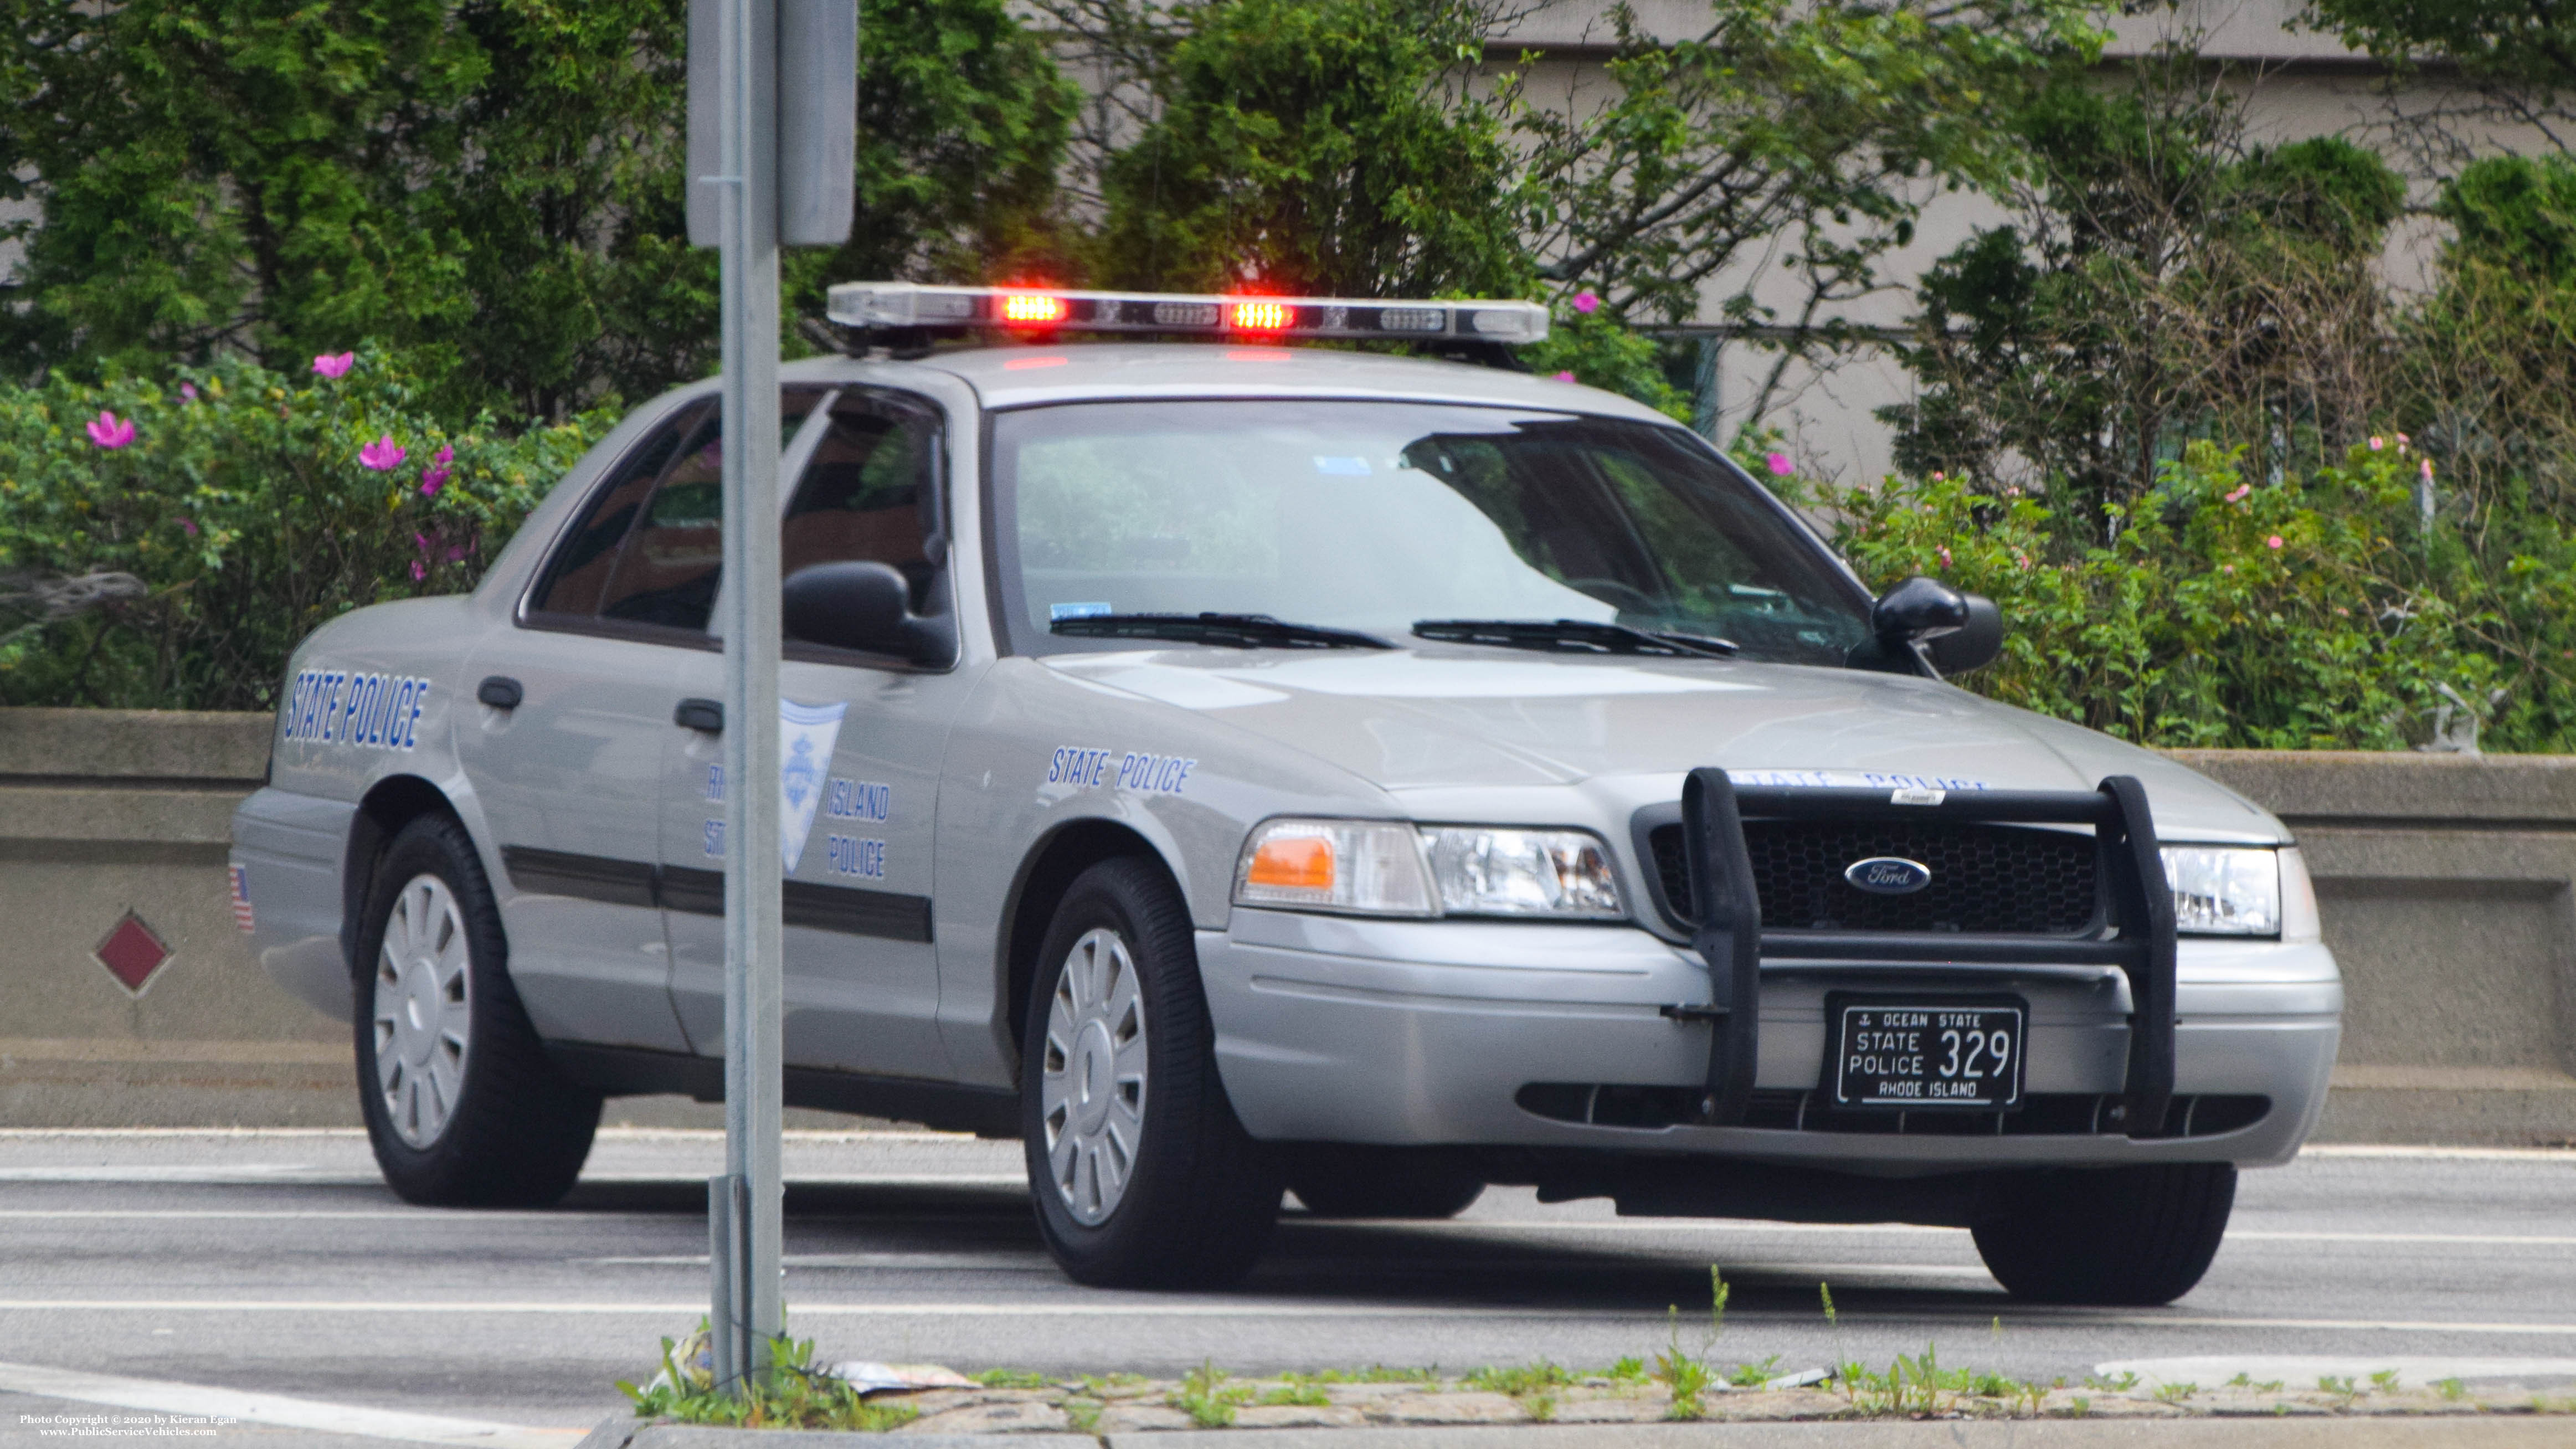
x: 1926, y: 1053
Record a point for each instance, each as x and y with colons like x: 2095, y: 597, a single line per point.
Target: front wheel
x: 1143, y: 1177
x: 462, y: 1106
x: 2110, y: 1236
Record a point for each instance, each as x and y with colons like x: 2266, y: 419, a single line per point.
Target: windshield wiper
x: 1242, y: 631
x: 1574, y: 636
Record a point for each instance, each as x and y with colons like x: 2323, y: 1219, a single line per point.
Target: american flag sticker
x: 241, y: 899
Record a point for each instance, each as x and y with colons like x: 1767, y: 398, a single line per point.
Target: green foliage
x: 2301, y: 615
x: 1297, y: 1395
x: 1011, y: 1378
x: 1598, y: 350
x: 791, y: 1395
x: 490, y: 187
x: 247, y: 518
x: 1531, y: 1378
x: 1917, y: 1386
x: 1317, y: 146
x: 2165, y: 282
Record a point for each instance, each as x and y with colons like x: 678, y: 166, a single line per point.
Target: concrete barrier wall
x: 2448, y: 885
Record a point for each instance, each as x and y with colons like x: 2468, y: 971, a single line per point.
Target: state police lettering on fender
x: 361, y: 711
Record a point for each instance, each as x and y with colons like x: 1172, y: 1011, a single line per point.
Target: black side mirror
x: 862, y: 606
x: 1959, y: 631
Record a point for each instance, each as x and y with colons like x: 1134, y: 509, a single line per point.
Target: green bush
x: 244, y: 510
x: 2308, y: 614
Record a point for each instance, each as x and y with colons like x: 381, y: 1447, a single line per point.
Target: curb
x: 2339, y: 1432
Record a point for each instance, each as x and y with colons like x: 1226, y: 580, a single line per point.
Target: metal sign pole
x: 749, y: 114
x: 748, y: 1284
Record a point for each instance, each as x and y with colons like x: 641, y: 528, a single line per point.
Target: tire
x: 1336, y: 1180
x: 462, y: 1106
x: 2111, y: 1237
x: 1141, y: 1173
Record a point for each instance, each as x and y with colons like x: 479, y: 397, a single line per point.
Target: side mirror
x: 1959, y: 631
x: 862, y: 606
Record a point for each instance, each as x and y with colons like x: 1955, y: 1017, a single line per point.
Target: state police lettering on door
x: 361, y: 711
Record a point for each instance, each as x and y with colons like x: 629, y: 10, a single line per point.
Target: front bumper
x: 1421, y: 1032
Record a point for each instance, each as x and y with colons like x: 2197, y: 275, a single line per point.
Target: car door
x: 864, y: 740
x: 569, y: 777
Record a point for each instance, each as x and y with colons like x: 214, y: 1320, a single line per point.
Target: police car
x: 1235, y: 769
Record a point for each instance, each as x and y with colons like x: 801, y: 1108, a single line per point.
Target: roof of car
x: 1027, y: 376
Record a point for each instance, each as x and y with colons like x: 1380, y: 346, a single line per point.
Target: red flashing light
x: 1261, y: 316
x: 1033, y: 307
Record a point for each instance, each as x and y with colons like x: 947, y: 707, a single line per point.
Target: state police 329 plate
x: 1923, y: 1052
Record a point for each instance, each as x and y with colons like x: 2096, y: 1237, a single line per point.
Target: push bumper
x: 1445, y: 1032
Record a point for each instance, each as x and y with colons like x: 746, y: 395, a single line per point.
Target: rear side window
x: 578, y: 577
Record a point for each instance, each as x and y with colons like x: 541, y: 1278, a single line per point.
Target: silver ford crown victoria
x: 1236, y: 769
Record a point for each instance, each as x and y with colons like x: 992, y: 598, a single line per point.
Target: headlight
x: 1382, y: 868
x: 2224, y: 890
x: 1371, y: 867
x: 1484, y: 872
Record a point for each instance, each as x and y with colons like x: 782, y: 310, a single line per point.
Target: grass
x: 1917, y: 1386
x: 1082, y: 1415
x: 1754, y: 1375
x: 2247, y: 1381
x: 1376, y: 1373
x: 1303, y: 1396
x: 1009, y: 1378
x: 1534, y: 1378
x: 2451, y: 1390
x: 791, y: 1395
x: 2176, y: 1394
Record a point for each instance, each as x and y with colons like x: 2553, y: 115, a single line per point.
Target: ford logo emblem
x: 1888, y: 875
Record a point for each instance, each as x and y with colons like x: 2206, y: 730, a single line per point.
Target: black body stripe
x: 888, y: 915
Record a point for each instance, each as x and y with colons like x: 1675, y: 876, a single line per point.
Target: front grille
x: 1985, y: 878
x: 2041, y: 1114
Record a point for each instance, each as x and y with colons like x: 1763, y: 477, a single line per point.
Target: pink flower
x: 1779, y: 464
x: 2428, y: 470
x: 418, y: 572
x: 2377, y: 443
x: 455, y: 552
x: 2273, y: 542
x: 436, y: 477
x: 420, y: 541
x: 109, y: 431
x: 1565, y: 377
x: 1587, y: 303
x: 1945, y: 555
x: 188, y: 390
x: 2241, y: 490
x: 2227, y: 568
x: 189, y: 524
x: 334, y: 364
x: 1938, y: 476
x: 381, y: 455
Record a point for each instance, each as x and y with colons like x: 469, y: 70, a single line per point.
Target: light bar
x: 907, y: 304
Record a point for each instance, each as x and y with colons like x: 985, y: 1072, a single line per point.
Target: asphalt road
x: 277, y: 1262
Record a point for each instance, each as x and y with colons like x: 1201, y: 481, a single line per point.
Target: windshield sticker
x: 858, y: 800
x: 1855, y: 780
x: 806, y: 734
x: 362, y: 711
x: 865, y: 859
x: 1077, y: 611
x: 1332, y: 467
x: 1145, y: 774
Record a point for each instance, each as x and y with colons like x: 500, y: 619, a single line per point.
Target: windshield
x: 1372, y: 516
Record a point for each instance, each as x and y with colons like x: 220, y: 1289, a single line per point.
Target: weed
x: 1100, y: 1386
x: 2080, y: 1407
x: 2175, y: 1393
x: 2119, y: 1385
x: 1688, y: 1378
x: 2543, y: 1404
x: 1376, y: 1373
x: 1542, y: 1407
x: 1755, y: 1375
x: 2385, y: 1381
x: 1526, y: 1379
x: 2451, y: 1390
x: 1297, y: 1395
x: 1006, y: 1378
x: 2245, y: 1380
x: 1204, y: 1397
x: 1626, y: 1371
x: 1083, y: 1415
x: 790, y: 1395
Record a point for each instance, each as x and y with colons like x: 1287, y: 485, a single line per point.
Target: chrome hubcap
x: 423, y: 1010
x: 1091, y: 1086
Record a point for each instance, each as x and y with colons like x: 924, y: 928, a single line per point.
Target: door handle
x: 500, y: 691
x: 699, y: 714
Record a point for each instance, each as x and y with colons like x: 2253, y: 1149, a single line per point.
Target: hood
x: 1414, y: 719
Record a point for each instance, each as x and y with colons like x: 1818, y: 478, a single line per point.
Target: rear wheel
x: 1141, y: 1173
x: 2115, y: 1236
x: 1339, y: 1180
x: 462, y: 1106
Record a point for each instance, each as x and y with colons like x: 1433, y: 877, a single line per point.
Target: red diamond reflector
x: 131, y: 953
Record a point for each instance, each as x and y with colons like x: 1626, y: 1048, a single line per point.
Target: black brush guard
x: 1730, y: 938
